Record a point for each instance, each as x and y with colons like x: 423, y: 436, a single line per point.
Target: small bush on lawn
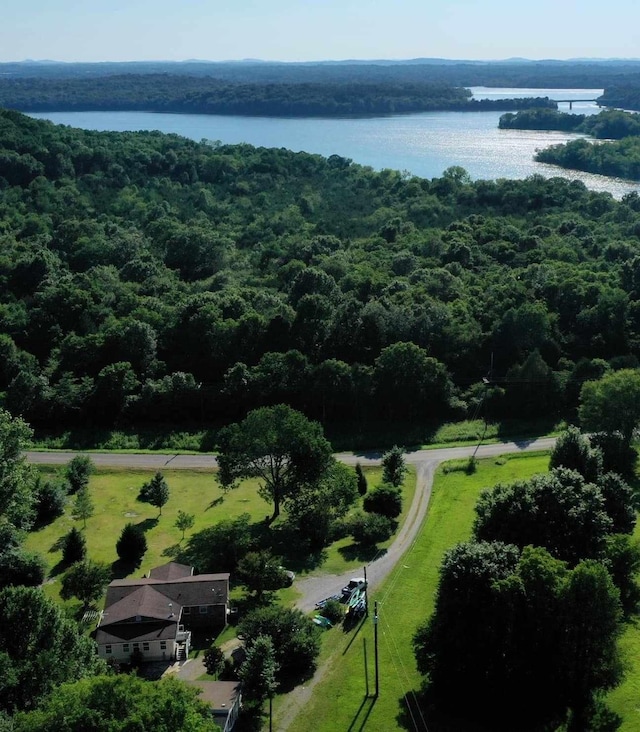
x: 333, y: 611
x: 386, y: 500
x: 52, y: 498
x: 371, y: 528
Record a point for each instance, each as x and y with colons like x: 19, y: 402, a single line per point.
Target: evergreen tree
x: 362, y: 480
x: 258, y: 672
x: 132, y: 544
x: 393, y: 466
x: 74, y: 547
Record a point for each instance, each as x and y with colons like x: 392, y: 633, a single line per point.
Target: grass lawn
x: 404, y: 602
x: 114, y: 493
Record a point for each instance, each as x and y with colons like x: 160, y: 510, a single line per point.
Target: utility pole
x: 366, y: 594
x: 375, y: 646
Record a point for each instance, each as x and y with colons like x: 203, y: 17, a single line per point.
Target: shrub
x: 371, y: 528
x: 385, y: 500
x: 213, y: 660
x: 51, y: 500
x: 333, y: 611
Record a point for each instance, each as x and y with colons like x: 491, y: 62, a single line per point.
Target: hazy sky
x: 300, y: 30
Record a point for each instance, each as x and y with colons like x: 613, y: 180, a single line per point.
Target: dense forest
x: 625, y: 95
x: 197, y: 95
x: 147, y: 277
x: 572, y: 74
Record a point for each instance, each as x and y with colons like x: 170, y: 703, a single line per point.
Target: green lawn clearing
x: 114, y: 493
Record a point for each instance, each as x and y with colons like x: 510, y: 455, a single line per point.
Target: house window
x: 163, y: 645
x: 187, y: 611
x: 145, y: 646
x: 136, y: 646
x: 203, y: 609
x: 125, y: 648
x: 107, y: 649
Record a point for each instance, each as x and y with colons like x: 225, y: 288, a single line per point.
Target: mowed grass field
x: 114, y: 494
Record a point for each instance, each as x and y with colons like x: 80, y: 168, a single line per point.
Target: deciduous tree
x: 78, y: 472
x: 184, y: 522
x: 47, y: 651
x: 612, y: 404
x: 156, y: 491
x: 295, y: 638
x: 279, y: 446
x: 83, y: 507
x: 85, y: 580
x: 109, y: 703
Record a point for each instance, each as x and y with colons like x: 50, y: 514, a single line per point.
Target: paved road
x: 157, y: 461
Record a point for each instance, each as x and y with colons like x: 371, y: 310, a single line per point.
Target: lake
x: 423, y: 144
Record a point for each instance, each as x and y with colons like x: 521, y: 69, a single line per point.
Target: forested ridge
x: 150, y: 278
x: 198, y: 95
x: 554, y: 74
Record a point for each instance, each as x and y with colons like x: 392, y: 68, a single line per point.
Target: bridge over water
x: 571, y: 101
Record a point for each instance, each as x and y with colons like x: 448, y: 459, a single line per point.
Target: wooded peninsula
x: 620, y: 158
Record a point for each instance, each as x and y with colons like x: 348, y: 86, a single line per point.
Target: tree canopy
x: 39, y: 648
x: 612, y: 404
x: 520, y: 631
x: 279, y: 446
x: 119, y: 704
x: 558, y: 510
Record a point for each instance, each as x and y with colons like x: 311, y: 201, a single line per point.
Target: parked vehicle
x: 355, y: 583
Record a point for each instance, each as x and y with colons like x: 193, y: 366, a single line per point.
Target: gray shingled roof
x: 171, y: 571
x: 138, y: 632
x: 145, y: 602
x: 199, y: 589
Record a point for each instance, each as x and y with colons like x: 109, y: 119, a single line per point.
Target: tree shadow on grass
x: 216, y: 502
x: 58, y: 568
x: 58, y: 544
x: 172, y: 551
x: 361, y: 553
x: 121, y: 568
x: 148, y: 524
x: 419, y: 711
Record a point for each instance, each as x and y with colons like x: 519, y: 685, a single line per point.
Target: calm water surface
x: 423, y: 144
